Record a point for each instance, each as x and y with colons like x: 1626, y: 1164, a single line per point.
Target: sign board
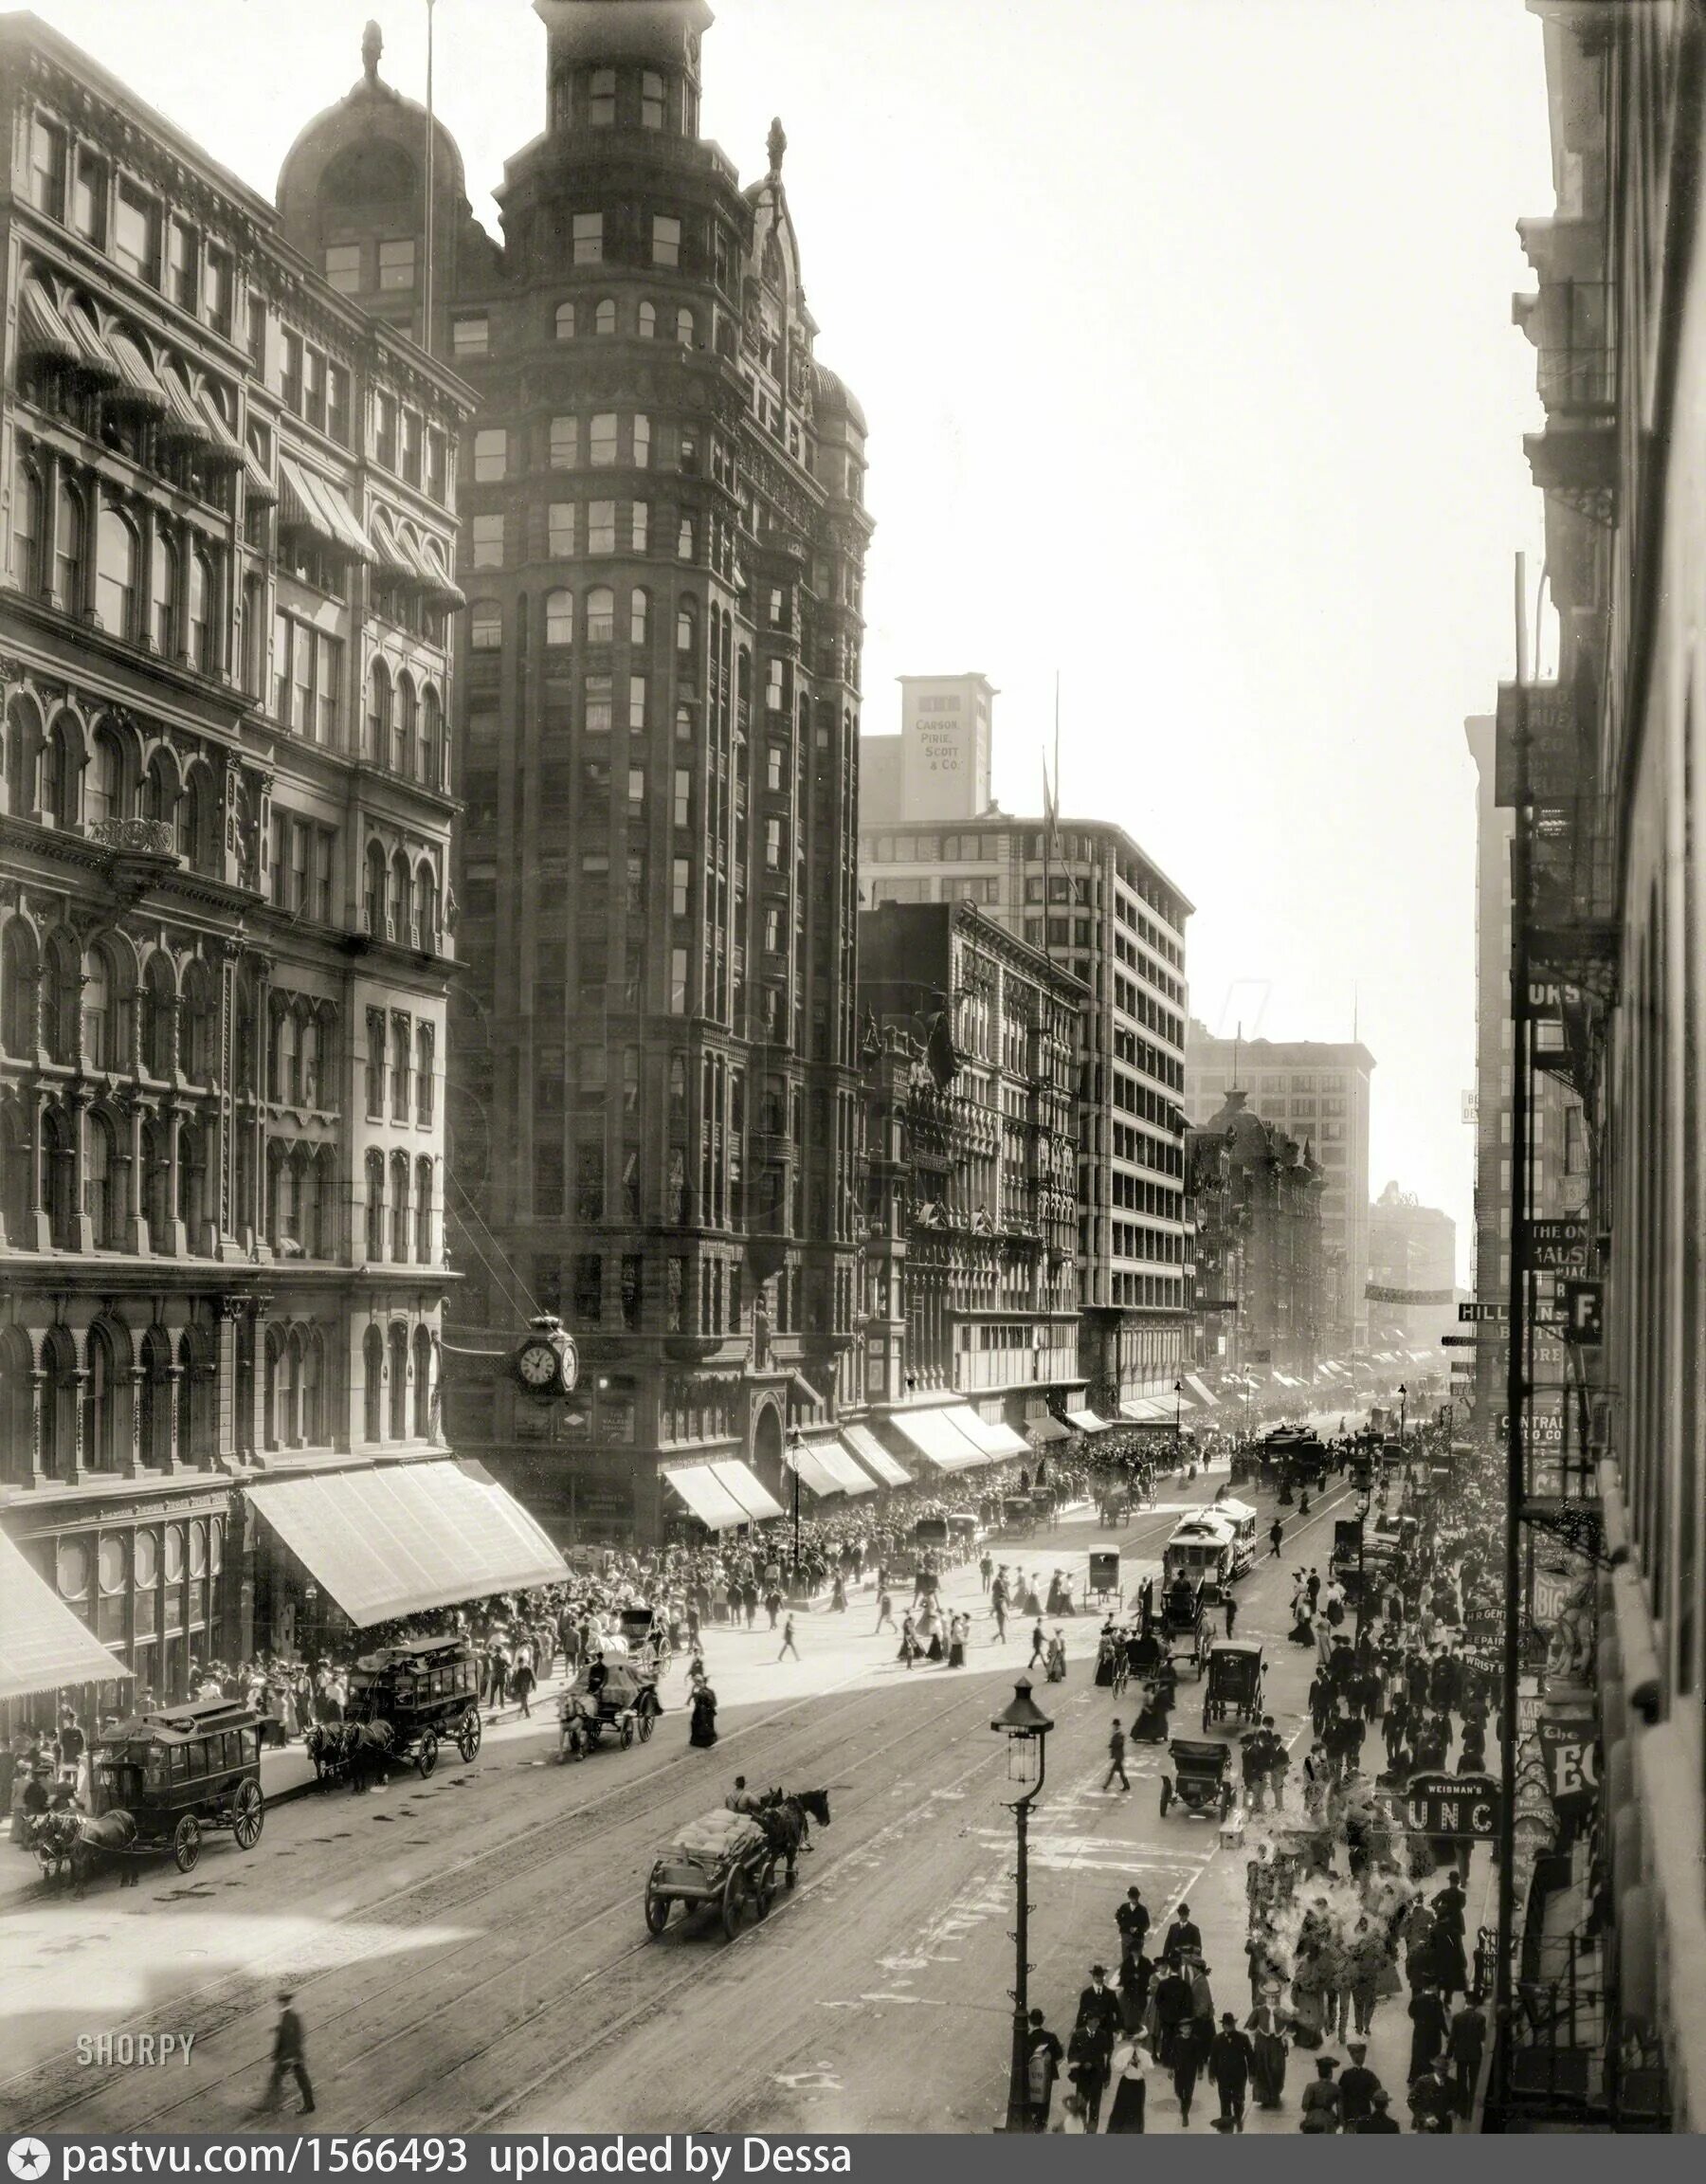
x: 1376, y: 1293
x: 1471, y: 1107
x: 1585, y: 1313
x: 1216, y: 1304
x: 1484, y: 1315
x: 1574, y: 1233
x: 1463, y: 1805
x: 1558, y: 1258
x: 1570, y: 1746
x: 1461, y: 1341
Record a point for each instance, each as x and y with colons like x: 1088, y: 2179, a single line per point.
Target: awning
x: 997, y: 1441
x: 938, y: 1439
x: 42, y: 329
x: 224, y: 446
x: 1204, y: 1394
x: 871, y: 1452
x: 185, y: 421
x: 95, y: 361
x: 853, y: 1476
x: 1147, y: 1411
x: 1048, y: 1429
x: 411, y: 1536
x: 388, y: 558
x: 809, y: 1462
x: 437, y: 583
x: 743, y: 1485
x: 310, y: 502
x: 713, y: 1506
x: 44, y: 1647
x: 260, y: 487
x: 138, y: 385
x: 1086, y: 1421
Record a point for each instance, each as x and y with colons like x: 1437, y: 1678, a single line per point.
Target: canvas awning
x: 1147, y: 1411
x: 393, y: 1541
x: 185, y: 420
x: 260, y: 487
x: 1048, y: 1429
x: 746, y: 1487
x: 871, y: 1453
x: 436, y: 582
x: 42, y: 329
x: 713, y: 1504
x: 44, y: 1647
x: 1203, y: 1392
x: 853, y: 1476
x: 1086, y: 1421
x: 95, y: 362
x: 222, y: 444
x: 309, y: 503
x: 809, y: 1462
x: 390, y: 559
x: 997, y: 1440
x: 935, y: 1437
x: 140, y: 386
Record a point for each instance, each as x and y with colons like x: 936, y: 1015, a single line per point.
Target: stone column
x: 174, y: 1382
x: 132, y: 1467
x: 130, y: 1163
x: 38, y: 1469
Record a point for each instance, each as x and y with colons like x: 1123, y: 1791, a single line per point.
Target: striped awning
x: 933, y: 1435
x: 1203, y: 1392
x: 1045, y: 1431
x: 390, y: 560
x: 185, y: 420
x: 712, y: 1503
x: 95, y: 360
x: 1086, y: 1421
x: 259, y: 482
x: 138, y: 386
x: 222, y: 444
x: 42, y: 329
x: 740, y: 1481
x: 871, y: 1452
x: 809, y: 1462
x: 310, y: 502
x: 44, y: 1647
x: 998, y: 1441
x: 437, y: 583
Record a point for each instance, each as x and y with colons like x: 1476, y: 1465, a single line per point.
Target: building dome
x: 830, y: 393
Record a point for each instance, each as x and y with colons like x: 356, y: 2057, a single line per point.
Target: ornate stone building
x: 663, y: 539
x: 1257, y: 1196
x: 225, y: 894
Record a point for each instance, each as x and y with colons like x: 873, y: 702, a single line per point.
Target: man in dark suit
x: 290, y: 2057
x: 1184, y: 1937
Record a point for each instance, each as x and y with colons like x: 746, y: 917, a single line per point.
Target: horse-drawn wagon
x: 161, y: 1781
x: 726, y: 1862
x: 607, y: 1699
x: 1236, y: 1668
x: 404, y: 1699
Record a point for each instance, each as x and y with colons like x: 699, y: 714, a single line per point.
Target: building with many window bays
x: 224, y: 895
x: 663, y: 541
x: 1100, y: 909
x: 1257, y: 1191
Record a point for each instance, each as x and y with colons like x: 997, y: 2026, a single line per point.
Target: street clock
x: 547, y: 1363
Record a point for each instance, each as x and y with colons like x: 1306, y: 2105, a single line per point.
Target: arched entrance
x: 766, y: 1451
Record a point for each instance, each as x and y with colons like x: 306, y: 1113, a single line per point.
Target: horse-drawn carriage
x: 161, y: 1781
x: 726, y: 1862
x: 1201, y: 1779
x: 404, y: 1699
x: 646, y: 1639
x: 1182, y: 1623
x: 1236, y: 1668
x: 615, y: 1699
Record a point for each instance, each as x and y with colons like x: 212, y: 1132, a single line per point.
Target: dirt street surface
x: 471, y: 1953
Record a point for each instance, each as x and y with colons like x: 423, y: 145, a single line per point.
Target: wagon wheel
x: 765, y: 1889
x: 185, y: 1842
x: 734, y: 1901
x: 656, y: 1909
x: 646, y: 1723
x: 626, y: 1731
x: 426, y: 1752
x: 467, y: 1735
x: 249, y: 1815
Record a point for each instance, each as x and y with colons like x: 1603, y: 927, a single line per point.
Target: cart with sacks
x: 609, y: 1698
x: 723, y: 1863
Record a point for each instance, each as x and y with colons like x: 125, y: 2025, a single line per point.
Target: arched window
x: 115, y: 560
x: 320, y: 1239
x: 399, y: 1185
x: 639, y: 616
x: 422, y: 1211
x: 28, y: 526
x: 106, y: 796
x: 156, y: 1183
x: 423, y: 1384
x: 17, y: 1407
x: 156, y: 1391
x: 431, y: 761
x: 59, y: 1178
x: 373, y: 899
x: 194, y: 1204
x: 378, y: 713
x: 159, y: 1001
x: 70, y: 549
x: 314, y: 1389
x: 398, y: 1362
x: 565, y: 321
x: 59, y: 1402
x: 106, y: 1408
x: 197, y: 838
x: 559, y: 618
x: 163, y: 596
x: 15, y: 1193
x: 198, y: 1047
x: 604, y: 317
x: 23, y: 757
x: 408, y: 724
x: 103, y: 1192
x: 686, y: 330
x: 20, y: 992
x: 397, y: 908
x: 649, y: 322
x: 201, y: 611
x: 372, y: 1388
x: 485, y: 625
x: 601, y: 615
x: 62, y: 1000
x: 107, y: 1003
x: 285, y: 1073
x: 426, y: 907
x: 687, y: 629
x: 308, y: 1057
x: 159, y: 791
x: 62, y: 771
x: 373, y: 1251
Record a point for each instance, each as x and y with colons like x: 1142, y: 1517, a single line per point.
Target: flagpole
x: 426, y: 263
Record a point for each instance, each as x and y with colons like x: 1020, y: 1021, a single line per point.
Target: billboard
x: 945, y: 732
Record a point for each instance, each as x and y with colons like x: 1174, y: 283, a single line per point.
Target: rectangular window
x: 397, y: 263
x: 136, y: 233
x: 772, y: 845
x: 560, y: 530
x: 678, y: 981
x: 328, y: 676
x: 599, y: 705
x: 488, y: 541
x: 324, y: 849
x: 48, y: 166
x: 301, y: 692
x: 338, y: 403
x: 642, y: 527
x: 565, y: 443
x: 684, y: 540
x: 651, y: 100
x: 601, y: 99
x: 411, y: 447
x: 601, y: 448
x: 601, y: 526
x: 471, y: 334
x: 636, y: 702
x: 681, y: 881
x: 491, y: 449
x: 642, y: 442
x: 589, y: 238
x: 636, y: 788
x: 776, y: 690
x: 343, y: 268
x: 182, y: 264
x: 682, y: 805
x: 88, y: 199
x: 217, y: 291
x: 666, y: 241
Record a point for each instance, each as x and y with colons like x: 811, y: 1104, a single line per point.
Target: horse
x: 785, y: 1817
x: 75, y: 1844
x: 369, y: 1748
x: 327, y: 1746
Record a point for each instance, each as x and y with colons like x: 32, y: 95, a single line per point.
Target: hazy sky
x: 1183, y: 328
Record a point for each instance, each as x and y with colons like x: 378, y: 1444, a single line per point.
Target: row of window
x: 87, y: 549
x: 399, y: 1209
x: 406, y: 1044
x: 609, y: 439
x: 97, y: 783
x: 607, y: 318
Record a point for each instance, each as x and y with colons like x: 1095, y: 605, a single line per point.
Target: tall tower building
x: 655, y: 1105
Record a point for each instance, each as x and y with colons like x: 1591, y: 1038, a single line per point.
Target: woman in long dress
x: 1130, y: 2090
x: 1266, y: 2026
x: 957, y: 1643
x: 703, y: 1731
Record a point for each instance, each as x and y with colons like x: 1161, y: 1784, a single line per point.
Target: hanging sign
x: 1463, y: 1805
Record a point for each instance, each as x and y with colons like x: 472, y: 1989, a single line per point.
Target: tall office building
x: 1319, y: 1092
x: 1412, y: 1248
x: 664, y: 539
x: 1104, y: 911
x: 225, y: 680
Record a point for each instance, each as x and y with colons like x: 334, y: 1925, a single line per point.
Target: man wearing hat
x: 1133, y: 1920
x: 1380, y: 2117
x: 1231, y: 2057
x: 1357, y: 2087
x: 290, y: 2058
x: 1090, y: 2052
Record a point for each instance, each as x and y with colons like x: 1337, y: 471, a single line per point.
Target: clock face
x: 538, y: 1365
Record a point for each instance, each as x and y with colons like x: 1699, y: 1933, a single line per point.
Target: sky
x: 1183, y: 329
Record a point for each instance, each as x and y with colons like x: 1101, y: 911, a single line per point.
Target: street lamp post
x: 1025, y: 1727
x: 794, y: 1464
x: 1403, y: 1409
x: 1178, y: 1400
